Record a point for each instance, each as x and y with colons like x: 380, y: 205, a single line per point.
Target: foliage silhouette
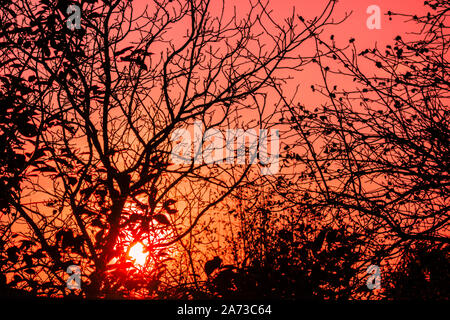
x: 375, y: 153
x: 86, y: 120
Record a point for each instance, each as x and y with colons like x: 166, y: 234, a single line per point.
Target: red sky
x: 355, y: 26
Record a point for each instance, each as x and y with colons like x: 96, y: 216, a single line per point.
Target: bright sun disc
x: 137, y: 253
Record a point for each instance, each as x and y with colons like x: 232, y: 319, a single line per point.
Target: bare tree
x: 375, y: 153
x: 286, y: 251
x: 107, y: 98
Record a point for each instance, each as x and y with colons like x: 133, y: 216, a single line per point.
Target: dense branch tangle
x: 379, y: 143
x: 111, y: 94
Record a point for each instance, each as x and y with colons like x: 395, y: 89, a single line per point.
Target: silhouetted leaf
x: 169, y: 202
x: 30, y: 271
x: 286, y: 235
x: 171, y: 211
x: 12, y: 254
x: 318, y: 242
x: 27, y: 129
x: 72, y: 181
x: 212, y: 265
x: 26, y: 244
x: 122, y: 51
x: 45, y: 169
x: 161, y: 219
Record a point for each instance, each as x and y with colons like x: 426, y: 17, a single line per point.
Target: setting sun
x: 138, y: 254
x: 202, y: 151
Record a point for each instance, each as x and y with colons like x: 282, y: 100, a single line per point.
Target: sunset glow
x: 225, y: 150
x: 137, y: 253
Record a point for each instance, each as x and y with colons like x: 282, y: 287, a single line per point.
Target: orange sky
x: 355, y: 26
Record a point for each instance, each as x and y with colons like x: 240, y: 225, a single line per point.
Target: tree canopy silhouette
x: 87, y: 122
x: 374, y: 154
x: 87, y: 116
